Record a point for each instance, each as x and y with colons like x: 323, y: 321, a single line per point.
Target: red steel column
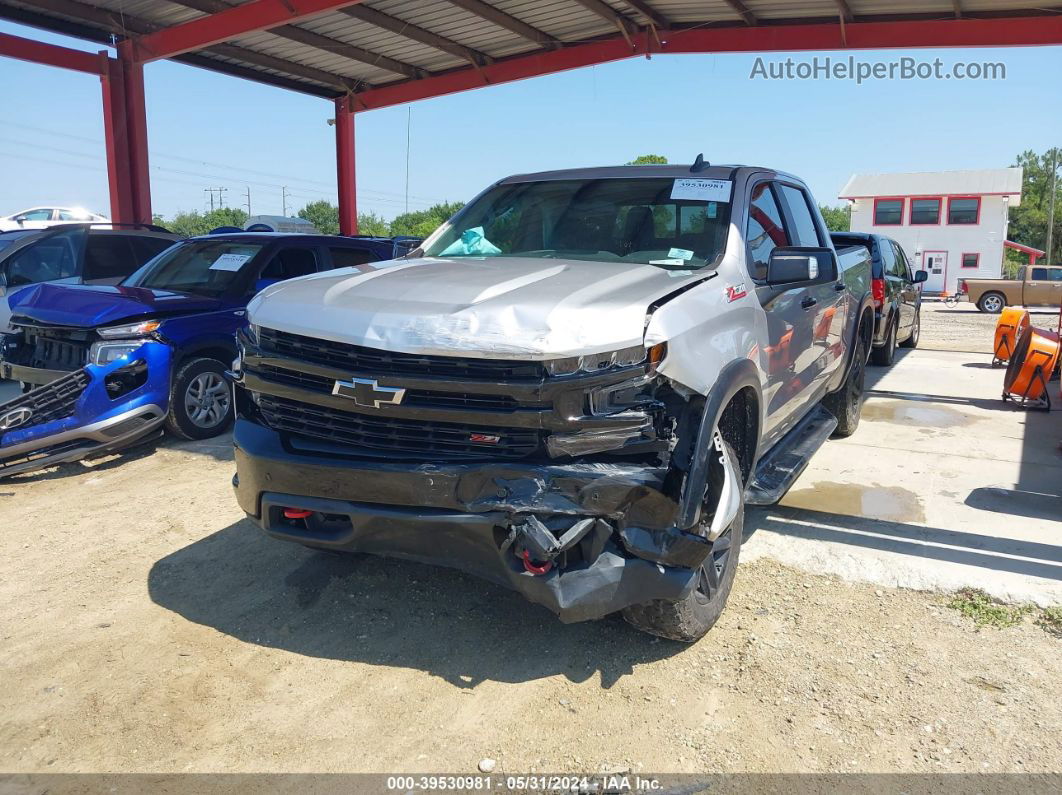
x: 136, y: 132
x: 116, y: 137
x: 345, y: 172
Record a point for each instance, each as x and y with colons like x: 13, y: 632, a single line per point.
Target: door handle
x: 840, y: 287
x: 808, y: 302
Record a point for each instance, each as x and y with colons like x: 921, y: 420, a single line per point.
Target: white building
x: 952, y: 224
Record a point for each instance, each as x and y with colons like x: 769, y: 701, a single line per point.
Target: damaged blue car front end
x: 87, y: 412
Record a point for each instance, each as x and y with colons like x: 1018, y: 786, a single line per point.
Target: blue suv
x: 106, y: 366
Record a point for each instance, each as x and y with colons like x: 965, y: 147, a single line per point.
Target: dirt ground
x: 965, y: 328
x: 146, y: 626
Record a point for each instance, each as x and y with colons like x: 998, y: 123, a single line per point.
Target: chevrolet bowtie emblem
x: 367, y: 392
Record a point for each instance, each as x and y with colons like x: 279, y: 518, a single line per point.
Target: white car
x: 43, y: 217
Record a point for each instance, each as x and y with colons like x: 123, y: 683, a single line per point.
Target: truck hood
x: 90, y: 306
x: 491, y: 307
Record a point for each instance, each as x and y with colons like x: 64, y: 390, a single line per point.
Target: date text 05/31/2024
x: 603, y: 783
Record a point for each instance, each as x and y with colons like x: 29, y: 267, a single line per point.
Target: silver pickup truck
x: 572, y: 388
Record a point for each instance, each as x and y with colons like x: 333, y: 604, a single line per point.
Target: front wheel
x: 200, y: 400
x: 689, y: 619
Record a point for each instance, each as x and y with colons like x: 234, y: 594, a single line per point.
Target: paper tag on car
x: 229, y: 262
x: 672, y: 261
x: 680, y: 253
x: 702, y: 190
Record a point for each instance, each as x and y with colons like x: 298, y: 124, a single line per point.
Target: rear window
x: 650, y: 220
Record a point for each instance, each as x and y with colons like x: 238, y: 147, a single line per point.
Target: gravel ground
x: 965, y: 328
x: 146, y: 626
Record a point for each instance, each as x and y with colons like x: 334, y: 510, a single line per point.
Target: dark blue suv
x: 106, y: 366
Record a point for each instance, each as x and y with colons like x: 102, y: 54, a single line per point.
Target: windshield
x: 656, y: 221
x: 198, y: 267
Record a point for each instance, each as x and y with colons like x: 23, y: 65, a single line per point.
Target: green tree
x: 372, y: 224
x: 838, y: 219
x: 422, y: 223
x: 323, y: 215
x: 1028, y: 223
x: 196, y: 223
x: 648, y: 160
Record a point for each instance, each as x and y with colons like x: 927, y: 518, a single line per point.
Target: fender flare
x: 734, y: 377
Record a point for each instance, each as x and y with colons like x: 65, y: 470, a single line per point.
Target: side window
x: 1055, y: 274
x: 888, y: 258
x: 108, y: 257
x: 903, y: 265
x: 765, y: 231
x: 805, y: 232
x: 51, y: 258
x: 38, y: 215
x: 70, y: 215
x: 289, y: 263
x: 1038, y: 274
x: 148, y: 247
x: 350, y: 257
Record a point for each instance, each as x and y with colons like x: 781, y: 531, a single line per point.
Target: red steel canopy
x: 367, y: 54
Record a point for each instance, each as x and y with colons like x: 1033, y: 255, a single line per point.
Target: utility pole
x: 1051, y: 206
x: 221, y: 196
x: 409, y: 123
x: 284, y: 201
x: 247, y: 204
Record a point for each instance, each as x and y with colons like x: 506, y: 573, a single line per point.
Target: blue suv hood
x: 90, y: 306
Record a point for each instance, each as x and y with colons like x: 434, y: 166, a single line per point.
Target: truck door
x: 909, y: 291
x: 1040, y: 289
x: 824, y: 302
x: 790, y: 326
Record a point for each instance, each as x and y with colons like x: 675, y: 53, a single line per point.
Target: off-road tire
x: 994, y: 306
x: 689, y: 619
x: 884, y: 356
x: 916, y: 332
x: 178, y: 420
x: 846, y: 404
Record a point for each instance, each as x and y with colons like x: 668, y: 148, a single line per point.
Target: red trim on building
x: 346, y: 176
x: 975, y: 255
x: 51, y: 55
x: 940, y: 195
x: 903, y: 207
x: 979, y: 203
x: 940, y: 210
x: 1034, y: 253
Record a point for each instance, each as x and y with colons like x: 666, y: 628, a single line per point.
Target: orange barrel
x: 1031, y: 365
x: 1011, y: 324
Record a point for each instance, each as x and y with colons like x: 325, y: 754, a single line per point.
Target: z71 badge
x: 736, y: 291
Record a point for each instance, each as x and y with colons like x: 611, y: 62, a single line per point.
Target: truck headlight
x: 102, y: 353
x: 600, y: 362
x: 141, y: 329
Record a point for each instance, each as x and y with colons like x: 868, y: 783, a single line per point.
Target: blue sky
x: 209, y: 130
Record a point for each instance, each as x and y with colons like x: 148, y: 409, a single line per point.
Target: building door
x: 936, y: 263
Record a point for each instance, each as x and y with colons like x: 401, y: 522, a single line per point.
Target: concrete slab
x: 944, y: 485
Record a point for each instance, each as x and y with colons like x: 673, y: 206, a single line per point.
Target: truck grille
x: 413, y: 397
x: 424, y: 440
x: 54, y: 401
x: 357, y: 359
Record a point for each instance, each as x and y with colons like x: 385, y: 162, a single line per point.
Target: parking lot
x: 148, y: 627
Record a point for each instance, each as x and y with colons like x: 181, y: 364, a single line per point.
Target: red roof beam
x: 232, y: 23
x: 51, y: 55
x: 1002, y: 31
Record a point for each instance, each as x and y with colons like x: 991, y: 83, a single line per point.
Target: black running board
x: 779, y: 469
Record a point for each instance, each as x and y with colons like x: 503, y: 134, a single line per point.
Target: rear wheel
x: 884, y: 355
x: 992, y: 303
x: 846, y: 404
x: 916, y: 332
x: 690, y: 619
x: 200, y: 400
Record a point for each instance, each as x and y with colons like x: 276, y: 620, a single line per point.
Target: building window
x: 925, y: 211
x: 888, y: 212
x: 964, y: 211
x: 971, y: 260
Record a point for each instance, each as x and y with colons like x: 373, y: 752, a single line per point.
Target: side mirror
x: 801, y: 265
x: 920, y: 276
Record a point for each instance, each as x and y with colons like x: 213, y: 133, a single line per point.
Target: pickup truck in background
x: 897, y: 296
x: 569, y: 388
x: 115, y: 364
x: 1039, y: 285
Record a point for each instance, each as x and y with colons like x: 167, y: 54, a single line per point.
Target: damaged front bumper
x: 583, y: 539
x: 87, y: 412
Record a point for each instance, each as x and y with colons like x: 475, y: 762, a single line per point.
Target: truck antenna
x: 700, y: 164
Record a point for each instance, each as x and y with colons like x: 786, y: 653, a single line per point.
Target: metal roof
x: 357, y: 47
x: 982, y: 182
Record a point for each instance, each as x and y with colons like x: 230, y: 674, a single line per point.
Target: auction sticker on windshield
x: 702, y: 190
x: 229, y: 262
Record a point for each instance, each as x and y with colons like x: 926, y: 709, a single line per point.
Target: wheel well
x: 866, y: 327
x: 739, y: 425
x: 221, y: 354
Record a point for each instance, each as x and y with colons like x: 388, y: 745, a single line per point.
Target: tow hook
x: 536, y: 546
x: 531, y: 567
x: 297, y: 513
